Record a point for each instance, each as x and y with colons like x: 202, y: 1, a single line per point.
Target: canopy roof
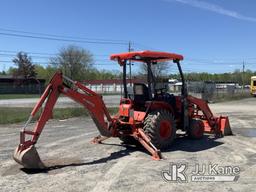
x: 144, y: 56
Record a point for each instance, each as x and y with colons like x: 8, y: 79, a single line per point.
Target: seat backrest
x: 141, y: 94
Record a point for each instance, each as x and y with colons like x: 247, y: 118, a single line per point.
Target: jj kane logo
x: 200, y: 173
x: 176, y: 173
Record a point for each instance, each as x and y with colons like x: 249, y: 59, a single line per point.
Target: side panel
x: 253, y: 86
x: 124, y: 107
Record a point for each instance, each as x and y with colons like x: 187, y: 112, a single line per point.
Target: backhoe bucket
x: 28, y: 158
x: 225, y: 126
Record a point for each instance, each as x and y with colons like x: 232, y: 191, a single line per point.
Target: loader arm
x: 203, y: 106
x: 77, y: 92
x: 212, y: 124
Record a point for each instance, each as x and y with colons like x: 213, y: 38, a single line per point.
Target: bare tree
x: 74, y: 61
x: 159, y: 69
x: 25, y: 68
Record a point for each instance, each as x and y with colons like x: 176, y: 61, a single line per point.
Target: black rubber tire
x: 196, y: 129
x: 152, y: 128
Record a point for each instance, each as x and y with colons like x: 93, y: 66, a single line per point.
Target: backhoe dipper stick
x: 41, y: 101
x: 51, y: 100
x: 26, y: 153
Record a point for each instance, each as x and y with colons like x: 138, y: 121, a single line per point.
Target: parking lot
x: 74, y: 164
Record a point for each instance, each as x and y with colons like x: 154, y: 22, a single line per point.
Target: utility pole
x: 130, y: 63
x: 243, y: 76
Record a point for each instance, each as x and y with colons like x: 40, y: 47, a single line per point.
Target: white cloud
x: 214, y: 8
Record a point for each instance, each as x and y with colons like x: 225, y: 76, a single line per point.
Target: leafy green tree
x: 11, y: 71
x: 45, y: 72
x: 236, y: 76
x: 74, y: 61
x: 2, y: 73
x: 25, y: 66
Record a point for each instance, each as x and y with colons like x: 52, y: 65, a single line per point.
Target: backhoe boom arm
x: 77, y: 92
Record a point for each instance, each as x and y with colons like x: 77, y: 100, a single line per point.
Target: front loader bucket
x: 225, y: 126
x: 28, y: 158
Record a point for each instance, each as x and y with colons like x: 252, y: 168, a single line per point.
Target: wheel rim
x: 165, y: 129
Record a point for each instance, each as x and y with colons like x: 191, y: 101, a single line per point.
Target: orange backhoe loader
x: 147, y: 114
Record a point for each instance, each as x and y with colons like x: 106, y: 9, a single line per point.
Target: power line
x: 28, y: 52
x: 6, y: 52
x: 49, y: 63
x: 14, y: 55
x: 190, y: 66
x: 200, y: 60
x: 191, y: 62
x: 39, y: 57
x: 61, y: 39
x: 139, y: 45
x: 43, y: 63
x: 65, y: 37
x: 187, y: 61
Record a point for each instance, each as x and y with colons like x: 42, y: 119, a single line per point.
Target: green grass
x: 18, y: 96
x: 16, y: 115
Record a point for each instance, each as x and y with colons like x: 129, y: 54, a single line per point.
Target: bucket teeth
x: 225, y: 126
x: 28, y: 158
x: 227, y: 131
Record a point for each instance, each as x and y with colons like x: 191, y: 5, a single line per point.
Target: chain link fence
x: 209, y: 91
x: 212, y: 91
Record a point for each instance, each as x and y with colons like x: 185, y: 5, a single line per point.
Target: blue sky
x: 213, y: 35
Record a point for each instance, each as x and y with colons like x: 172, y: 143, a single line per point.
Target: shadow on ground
x: 181, y: 143
x: 62, y: 163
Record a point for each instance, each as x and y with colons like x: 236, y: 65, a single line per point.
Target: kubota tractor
x: 147, y: 115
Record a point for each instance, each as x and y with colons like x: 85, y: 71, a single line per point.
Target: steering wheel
x: 160, y: 91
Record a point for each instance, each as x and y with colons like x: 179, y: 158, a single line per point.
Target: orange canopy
x: 143, y: 56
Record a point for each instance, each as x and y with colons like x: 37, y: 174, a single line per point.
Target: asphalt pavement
x: 63, y: 102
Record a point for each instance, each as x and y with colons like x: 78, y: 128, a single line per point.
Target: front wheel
x: 196, y: 129
x: 160, y: 126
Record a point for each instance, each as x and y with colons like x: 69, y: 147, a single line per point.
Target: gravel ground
x: 76, y: 165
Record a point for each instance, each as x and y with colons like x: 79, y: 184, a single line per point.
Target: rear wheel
x: 160, y: 126
x: 196, y: 129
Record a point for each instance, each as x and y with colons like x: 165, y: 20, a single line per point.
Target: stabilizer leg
x: 146, y: 143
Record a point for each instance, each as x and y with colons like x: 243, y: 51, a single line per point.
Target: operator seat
x: 141, y: 94
x: 166, y: 97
